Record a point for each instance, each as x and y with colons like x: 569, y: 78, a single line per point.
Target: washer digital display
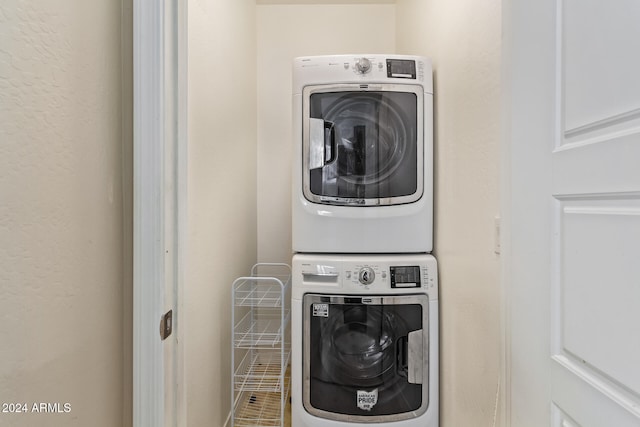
x: 405, y: 277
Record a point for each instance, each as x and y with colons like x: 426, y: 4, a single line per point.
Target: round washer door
x: 365, y: 361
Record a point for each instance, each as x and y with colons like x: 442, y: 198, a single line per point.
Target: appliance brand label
x: 367, y: 399
x: 321, y: 310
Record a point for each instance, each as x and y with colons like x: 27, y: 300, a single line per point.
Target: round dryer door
x: 374, y: 137
x: 363, y: 147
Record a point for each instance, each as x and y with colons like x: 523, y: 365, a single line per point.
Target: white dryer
x: 363, y: 156
x: 364, y: 340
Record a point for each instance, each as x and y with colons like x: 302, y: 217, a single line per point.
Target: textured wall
x: 464, y: 40
x: 61, y: 211
x: 319, y: 30
x: 221, y: 243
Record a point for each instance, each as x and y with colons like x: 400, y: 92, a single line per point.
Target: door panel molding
x: 601, y: 382
x: 561, y: 419
x: 584, y: 403
x: 598, y: 41
x: 628, y: 119
x: 594, y: 266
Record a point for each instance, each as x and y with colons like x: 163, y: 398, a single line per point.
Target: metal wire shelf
x: 260, y: 329
x: 262, y: 372
x: 249, y: 294
x: 256, y: 409
x: 261, y: 344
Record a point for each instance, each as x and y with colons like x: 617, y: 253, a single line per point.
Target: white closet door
x: 573, y: 279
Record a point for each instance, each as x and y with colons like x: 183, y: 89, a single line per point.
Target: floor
x: 287, y: 415
x: 287, y: 410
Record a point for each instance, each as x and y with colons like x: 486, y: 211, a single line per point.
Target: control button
x: 384, y: 274
x: 363, y: 65
x: 366, y: 276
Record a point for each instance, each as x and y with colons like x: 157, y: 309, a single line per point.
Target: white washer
x: 363, y: 154
x: 364, y: 340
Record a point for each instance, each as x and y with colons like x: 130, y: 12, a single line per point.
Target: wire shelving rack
x: 261, y: 349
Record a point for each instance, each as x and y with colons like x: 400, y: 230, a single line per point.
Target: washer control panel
x: 375, y: 274
x: 380, y: 277
x: 367, y: 275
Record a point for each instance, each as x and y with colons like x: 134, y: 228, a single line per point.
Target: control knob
x: 363, y: 65
x: 366, y: 276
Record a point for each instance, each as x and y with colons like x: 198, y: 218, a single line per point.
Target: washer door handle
x: 415, y: 357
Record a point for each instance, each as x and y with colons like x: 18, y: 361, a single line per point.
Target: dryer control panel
x: 362, y: 68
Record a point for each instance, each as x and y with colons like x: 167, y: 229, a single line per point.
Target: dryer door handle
x: 318, y: 147
x: 415, y: 357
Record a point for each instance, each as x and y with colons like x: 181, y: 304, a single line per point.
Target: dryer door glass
x: 363, y: 147
x: 366, y: 360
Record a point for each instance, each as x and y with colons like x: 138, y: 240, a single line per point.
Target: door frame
x: 159, y: 209
x: 525, y: 221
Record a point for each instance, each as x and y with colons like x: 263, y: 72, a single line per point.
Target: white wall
x: 464, y: 40
x: 285, y: 31
x: 221, y: 241
x: 62, y: 288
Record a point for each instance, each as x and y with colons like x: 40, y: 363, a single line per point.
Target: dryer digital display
x: 405, y: 277
x: 401, y: 68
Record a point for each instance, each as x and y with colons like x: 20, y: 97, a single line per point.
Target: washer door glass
x: 366, y: 361
x: 362, y: 147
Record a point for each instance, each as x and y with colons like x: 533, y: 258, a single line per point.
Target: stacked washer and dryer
x: 364, y: 285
